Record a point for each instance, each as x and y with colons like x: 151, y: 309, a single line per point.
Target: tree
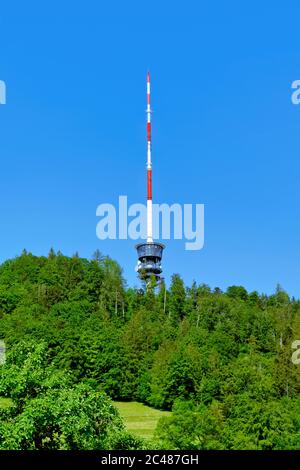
x: 49, y: 411
x: 192, y: 427
x: 63, y: 419
x: 237, y: 292
x: 177, y: 299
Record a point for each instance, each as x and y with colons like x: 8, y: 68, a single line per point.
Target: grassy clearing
x: 5, y: 402
x: 140, y: 419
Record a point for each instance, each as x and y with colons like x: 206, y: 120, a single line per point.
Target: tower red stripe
x: 149, y: 131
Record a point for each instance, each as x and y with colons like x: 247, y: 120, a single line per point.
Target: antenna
x: 149, y: 165
x: 149, y: 253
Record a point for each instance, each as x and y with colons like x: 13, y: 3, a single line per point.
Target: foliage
x: 49, y: 411
x: 76, y: 335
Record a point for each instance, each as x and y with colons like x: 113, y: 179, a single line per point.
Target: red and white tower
x: 149, y: 166
x: 149, y: 253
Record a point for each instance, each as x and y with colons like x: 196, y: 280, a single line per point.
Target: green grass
x: 5, y: 402
x: 140, y: 419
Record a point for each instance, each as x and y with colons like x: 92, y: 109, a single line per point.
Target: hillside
x: 220, y: 360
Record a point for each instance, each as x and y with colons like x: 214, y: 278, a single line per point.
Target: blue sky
x: 225, y: 132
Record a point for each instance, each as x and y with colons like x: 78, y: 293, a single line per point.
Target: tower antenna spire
x: 149, y: 253
x: 149, y: 165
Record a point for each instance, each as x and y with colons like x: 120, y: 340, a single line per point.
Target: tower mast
x: 149, y: 253
x: 149, y: 165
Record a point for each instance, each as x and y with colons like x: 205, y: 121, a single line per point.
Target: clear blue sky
x: 224, y: 130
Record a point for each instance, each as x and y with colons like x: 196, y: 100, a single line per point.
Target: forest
x: 78, y: 338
